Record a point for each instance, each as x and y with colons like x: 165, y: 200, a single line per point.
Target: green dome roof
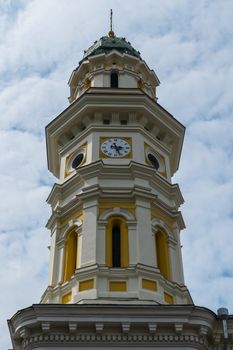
x: 109, y: 43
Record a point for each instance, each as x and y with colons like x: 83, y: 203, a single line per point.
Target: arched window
x: 162, y: 253
x: 71, y: 246
x: 117, y: 245
x: 114, y: 80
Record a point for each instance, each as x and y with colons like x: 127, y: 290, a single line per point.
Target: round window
x: 154, y: 162
x: 77, y: 160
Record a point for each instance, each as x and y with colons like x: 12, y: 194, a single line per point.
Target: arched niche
x: 71, y: 248
x: 162, y: 235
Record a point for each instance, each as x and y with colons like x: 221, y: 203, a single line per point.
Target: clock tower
x: 115, y: 223
x: 115, y: 275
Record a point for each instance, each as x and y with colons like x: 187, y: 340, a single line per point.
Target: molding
x: 99, y: 170
x: 110, y: 339
x: 71, y: 225
x: 163, y: 224
x: 138, y: 271
x: 117, y: 211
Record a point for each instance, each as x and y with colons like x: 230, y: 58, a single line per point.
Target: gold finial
x: 111, y: 32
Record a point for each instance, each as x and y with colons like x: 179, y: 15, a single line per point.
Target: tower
x: 115, y: 222
x: 116, y: 274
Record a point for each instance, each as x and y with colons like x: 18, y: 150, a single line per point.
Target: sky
x: 188, y: 43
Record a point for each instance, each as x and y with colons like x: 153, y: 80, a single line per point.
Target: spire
x: 111, y: 32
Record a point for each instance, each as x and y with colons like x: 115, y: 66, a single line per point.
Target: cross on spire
x: 111, y: 20
x: 111, y: 32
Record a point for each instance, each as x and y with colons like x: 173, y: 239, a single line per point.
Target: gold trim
x: 163, y: 173
x: 71, y: 257
x: 105, y: 205
x: 161, y: 246
x: 149, y: 284
x: 86, y: 285
x: 127, y: 139
x: 117, y: 286
x: 66, y: 298
x: 157, y: 214
x: 77, y: 215
x: 140, y: 84
x: 68, y: 172
x: 168, y: 298
x: 87, y: 83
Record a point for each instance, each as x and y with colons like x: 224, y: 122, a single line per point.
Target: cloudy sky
x: 189, y: 45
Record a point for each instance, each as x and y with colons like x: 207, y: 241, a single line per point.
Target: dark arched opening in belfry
x: 116, y: 246
x: 114, y: 80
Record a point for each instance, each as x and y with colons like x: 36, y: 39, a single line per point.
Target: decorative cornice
x: 104, y: 325
x: 101, y: 170
x: 95, y: 98
x: 116, y: 338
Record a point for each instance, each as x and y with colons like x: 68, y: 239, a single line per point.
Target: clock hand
x: 117, y: 148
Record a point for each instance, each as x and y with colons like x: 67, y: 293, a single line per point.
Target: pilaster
x: 146, y: 248
x: 90, y: 214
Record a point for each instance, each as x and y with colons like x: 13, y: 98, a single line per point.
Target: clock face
x: 115, y: 148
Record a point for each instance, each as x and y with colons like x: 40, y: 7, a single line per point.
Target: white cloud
x: 188, y: 43
x: 29, y: 103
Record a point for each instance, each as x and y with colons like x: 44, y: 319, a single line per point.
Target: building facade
x: 116, y: 273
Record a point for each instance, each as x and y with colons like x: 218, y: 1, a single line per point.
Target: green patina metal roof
x: 109, y: 43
